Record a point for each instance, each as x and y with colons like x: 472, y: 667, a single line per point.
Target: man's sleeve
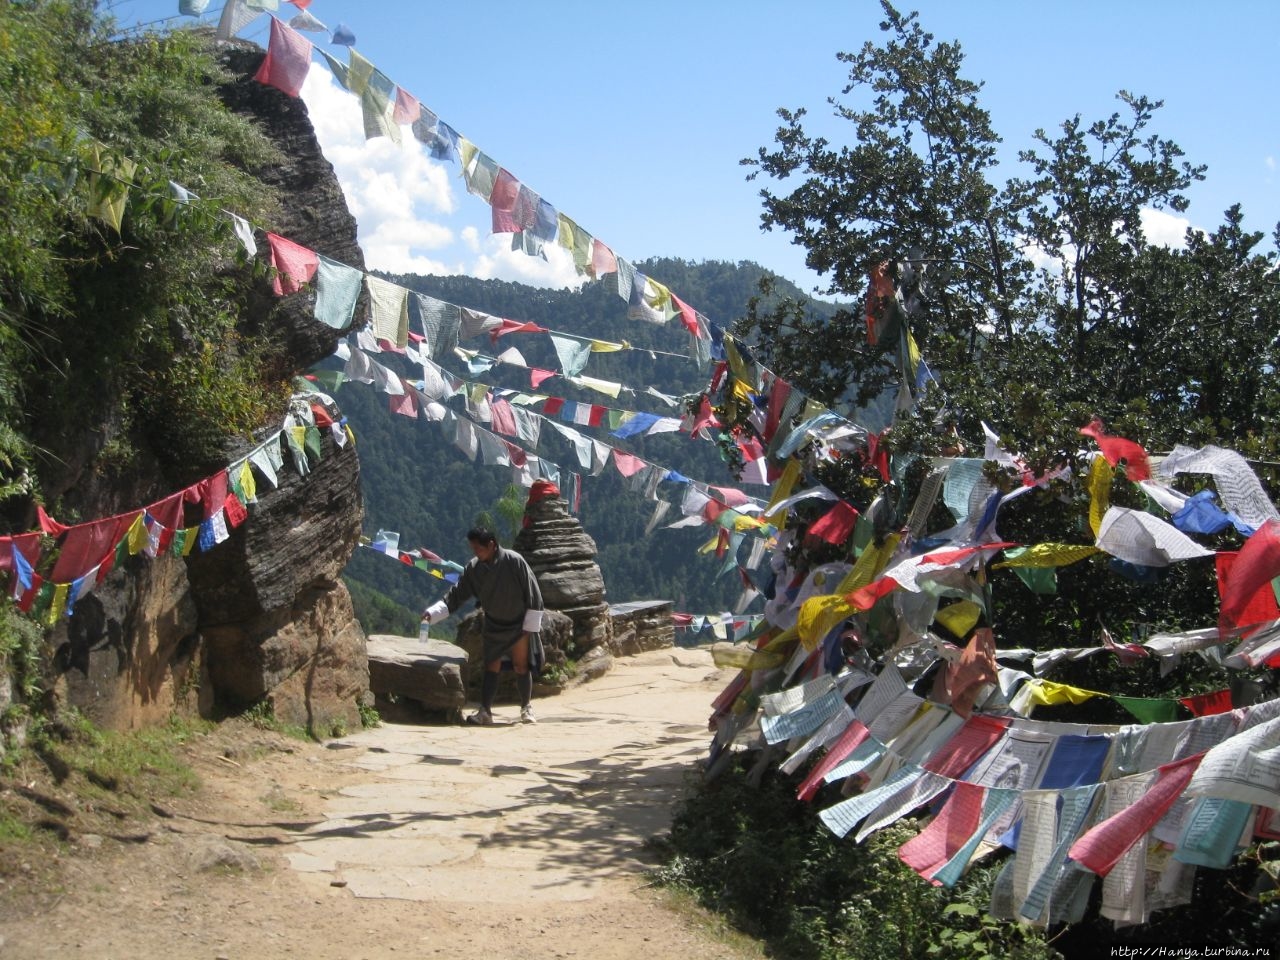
x: 458, y: 594
x: 532, y: 600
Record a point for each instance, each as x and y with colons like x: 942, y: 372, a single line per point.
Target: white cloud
x: 1164, y: 229
x: 397, y: 193
x: 402, y: 201
x: 1270, y: 162
x: 498, y: 260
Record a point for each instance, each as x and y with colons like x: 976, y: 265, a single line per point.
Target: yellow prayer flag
x: 1047, y: 693
x: 137, y: 536
x: 467, y: 151
x: 959, y: 617
x: 248, y: 483
x: 57, y: 604
x: 1049, y: 555
x: 607, y: 346
x: 189, y: 541
x: 818, y: 615
x: 359, y: 71
x: 870, y: 564
x: 913, y: 353
x: 1098, y: 484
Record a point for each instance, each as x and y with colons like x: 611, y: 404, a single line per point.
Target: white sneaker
x: 481, y: 718
x: 526, y: 715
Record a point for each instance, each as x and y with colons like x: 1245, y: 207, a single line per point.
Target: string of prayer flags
x: 88, y: 552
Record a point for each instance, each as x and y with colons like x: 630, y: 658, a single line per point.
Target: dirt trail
x: 512, y: 841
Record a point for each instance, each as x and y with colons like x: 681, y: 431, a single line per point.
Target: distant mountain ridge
x: 417, y: 483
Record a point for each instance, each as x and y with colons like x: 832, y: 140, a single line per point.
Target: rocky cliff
x: 263, y: 616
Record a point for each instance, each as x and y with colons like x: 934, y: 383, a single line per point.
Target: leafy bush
x: 764, y: 859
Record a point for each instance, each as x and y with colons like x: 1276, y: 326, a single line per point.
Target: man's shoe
x: 526, y: 715
x: 481, y: 718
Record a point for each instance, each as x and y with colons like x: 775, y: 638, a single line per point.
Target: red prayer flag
x: 603, y: 260
x: 1204, y: 704
x: 506, y: 188
x: 407, y: 109
x: 978, y: 735
x: 836, y: 524
x: 1102, y: 846
x: 1250, y: 574
x: 627, y: 464
x: 294, y: 264
x: 48, y: 524
x: 235, y: 511
x: 88, y: 544
x: 287, y: 61
x: 853, y: 737
x: 687, y: 315
x: 1115, y: 449
x: 942, y: 839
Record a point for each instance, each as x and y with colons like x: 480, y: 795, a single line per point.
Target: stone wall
x: 640, y: 626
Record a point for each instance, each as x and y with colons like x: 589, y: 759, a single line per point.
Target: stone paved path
x: 554, y: 811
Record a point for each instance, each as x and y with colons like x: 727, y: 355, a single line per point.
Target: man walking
x: 505, y: 589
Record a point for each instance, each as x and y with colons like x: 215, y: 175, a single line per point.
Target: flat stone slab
x: 430, y: 673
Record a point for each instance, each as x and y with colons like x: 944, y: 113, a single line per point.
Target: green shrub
x: 764, y: 859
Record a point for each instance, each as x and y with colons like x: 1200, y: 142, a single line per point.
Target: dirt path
x: 510, y: 841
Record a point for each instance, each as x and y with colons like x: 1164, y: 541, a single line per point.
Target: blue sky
x: 632, y: 119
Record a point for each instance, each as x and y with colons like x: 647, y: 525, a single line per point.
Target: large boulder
x: 429, y: 673
x: 263, y: 616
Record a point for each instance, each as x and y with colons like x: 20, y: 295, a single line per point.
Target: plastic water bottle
x: 424, y: 630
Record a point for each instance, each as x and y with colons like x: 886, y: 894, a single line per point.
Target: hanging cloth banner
x: 389, y: 309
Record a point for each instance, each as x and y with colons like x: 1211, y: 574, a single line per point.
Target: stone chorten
x: 563, y: 559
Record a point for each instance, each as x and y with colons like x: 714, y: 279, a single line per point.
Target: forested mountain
x: 417, y: 483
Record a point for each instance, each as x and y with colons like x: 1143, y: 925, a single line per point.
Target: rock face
x: 264, y: 615
x: 431, y: 673
x: 563, y: 558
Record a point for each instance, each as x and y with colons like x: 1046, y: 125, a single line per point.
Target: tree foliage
x: 1034, y: 298
x: 1038, y: 303
x: 144, y: 321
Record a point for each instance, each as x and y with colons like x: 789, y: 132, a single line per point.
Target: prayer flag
x: 287, y: 61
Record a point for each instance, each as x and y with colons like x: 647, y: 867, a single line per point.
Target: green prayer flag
x: 1150, y: 710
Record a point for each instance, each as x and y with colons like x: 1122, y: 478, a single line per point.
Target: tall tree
x: 1037, y: 301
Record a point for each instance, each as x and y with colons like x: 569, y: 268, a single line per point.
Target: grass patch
x: 263, y: 716
x: 280, y: 801
x: 140, y: 764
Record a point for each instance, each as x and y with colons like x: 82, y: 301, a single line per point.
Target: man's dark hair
x: 482, y: 535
